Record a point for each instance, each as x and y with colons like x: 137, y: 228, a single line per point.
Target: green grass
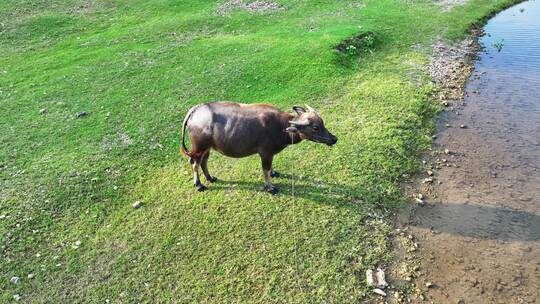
x: 136, y: 67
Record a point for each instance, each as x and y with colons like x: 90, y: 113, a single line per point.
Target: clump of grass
x: 358, y: 44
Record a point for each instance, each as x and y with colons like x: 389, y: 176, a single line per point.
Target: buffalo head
x: 310, y: 126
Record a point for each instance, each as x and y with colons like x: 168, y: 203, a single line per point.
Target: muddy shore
x: 473, y: 233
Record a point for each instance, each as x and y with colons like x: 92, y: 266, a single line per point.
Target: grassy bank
x: 134, y: 68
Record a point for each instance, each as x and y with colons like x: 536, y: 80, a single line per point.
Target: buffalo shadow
x: 479, y: 221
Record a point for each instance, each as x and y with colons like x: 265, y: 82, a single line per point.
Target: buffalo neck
x: 289, y: 138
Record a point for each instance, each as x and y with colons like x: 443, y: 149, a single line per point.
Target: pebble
x: 14, y: 280
x: 369, y: 277
x: 16, y: 297
x: 463, y: 126
x: 137, y: 204
x: 429, y: 284
x: 381, y: 279
x: 30, y: 276
x: 428, y: 180
x: 446, y: 151
x: 430, y: 173
x: 42, y: 111
x: 379, y: 291
x: 81, y: 114
x: 447, y: 125
x: 76, y: 244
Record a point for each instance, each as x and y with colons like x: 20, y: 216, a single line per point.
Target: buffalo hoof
x: 275, y: 174
x: 201, y: 187
x: 212, y: 179
x: 272, y: 190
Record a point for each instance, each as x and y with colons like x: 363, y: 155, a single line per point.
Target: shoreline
x: 453, y: 59
x: 459, y: 59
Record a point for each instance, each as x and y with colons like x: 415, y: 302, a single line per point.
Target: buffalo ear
x: 292, y: 129
x: 299, y: 110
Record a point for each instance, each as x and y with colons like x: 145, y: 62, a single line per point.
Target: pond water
x: 480, y: 233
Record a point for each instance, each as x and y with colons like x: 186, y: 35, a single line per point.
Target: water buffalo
x: 239, y: 130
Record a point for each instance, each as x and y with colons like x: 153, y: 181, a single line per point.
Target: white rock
x: 14, y: 280
x: 137, y: 204
x: 427, y: 180
x: 30, y: 275
x: 16, y: 297
x: 380, y: 292
x: 370, y: 279
x: 381, y: 280
x: 78, y: 243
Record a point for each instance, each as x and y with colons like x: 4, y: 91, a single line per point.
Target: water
x: 482, y: 223
x: 518, y: 62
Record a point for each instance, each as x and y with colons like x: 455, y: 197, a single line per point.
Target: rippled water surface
x: 516, y: 33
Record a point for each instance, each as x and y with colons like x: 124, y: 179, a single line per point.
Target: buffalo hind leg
x: 267, y: 169
x: 204, y: 166
x: 195, y: 163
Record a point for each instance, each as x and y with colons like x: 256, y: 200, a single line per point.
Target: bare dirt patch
x: 449, y: 4
x: 250, y: 6
x: 84, y: 7
x: 120, y: 140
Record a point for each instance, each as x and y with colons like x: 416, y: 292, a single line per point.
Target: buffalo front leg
x: 195, y: 163
x: 267, y: 170
x: 204, y: 166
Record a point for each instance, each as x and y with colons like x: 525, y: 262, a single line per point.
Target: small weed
x: 498, y: 45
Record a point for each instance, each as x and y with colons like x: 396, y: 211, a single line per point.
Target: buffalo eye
x: 315, y: 128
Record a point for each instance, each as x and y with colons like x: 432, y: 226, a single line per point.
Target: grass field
x: 135, y: 67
